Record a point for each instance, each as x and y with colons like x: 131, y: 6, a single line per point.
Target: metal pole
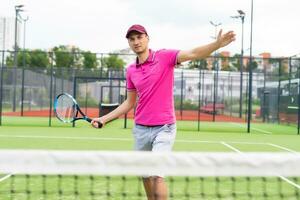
x: 181, y: 95
x: 264, y: 110
x: 125, y: 120
x: 242, y: 17
x: 231, y: 100
x: 51, y: 87
x: 298, y: 126
x: 1, y: 87
x: 199, y: 100
x: 250, y: 74
x: 24, y: 39
x: 16, y: 48
x: 241, y: 69
x: 22, y: 90
x: 16, y: 36
x: 86, y: 96
x: 23, y: 70
x: 2, y: 65
x: 278, y: 91
x: 216, y: 74
x: 74, y: 88
x: 216, y: 86
x: 247, y: 92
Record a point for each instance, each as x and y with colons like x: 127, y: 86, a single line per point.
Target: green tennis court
x: 33, y: 133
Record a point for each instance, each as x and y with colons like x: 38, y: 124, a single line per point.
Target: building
x: 265, y: 64
x: 225, y: 59
x: 191, y: 85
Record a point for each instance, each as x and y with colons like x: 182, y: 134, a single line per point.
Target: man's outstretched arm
x: 206, y: 50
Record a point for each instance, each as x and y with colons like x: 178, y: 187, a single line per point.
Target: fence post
x: 298, y: 74
x: 1, y: 86
x: 51, y: 83
x: 216, y: 76
x: 23, y: 86
x: 199, y: 96
x: 279, y: 86
x: 74, y: 88
x: 181, y: 95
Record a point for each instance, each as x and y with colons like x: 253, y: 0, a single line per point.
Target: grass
x: 34, y: 133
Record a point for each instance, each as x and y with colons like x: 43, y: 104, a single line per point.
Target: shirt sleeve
x: 170, y: 56
x: 130, y: 86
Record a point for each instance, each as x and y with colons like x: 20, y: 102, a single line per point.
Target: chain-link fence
x: 215, y: 89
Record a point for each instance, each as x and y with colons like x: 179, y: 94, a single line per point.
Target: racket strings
x: 66, y: 108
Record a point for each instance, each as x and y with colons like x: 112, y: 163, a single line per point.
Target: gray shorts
x: 155, y: 138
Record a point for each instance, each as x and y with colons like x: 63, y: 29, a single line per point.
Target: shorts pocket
x: 169, y: 128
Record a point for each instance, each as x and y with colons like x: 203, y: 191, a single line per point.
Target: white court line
x: 122, y: 139
x: 257, y: 129
x: 237, y: 124
x: 282, y: 177
x: 290, y: 182
x: 197, y: 141
x: 5, y: 177
x: 284, y: 148
x: 231, y: 147
x: 260, y: 130
x: 218, y: 142
x: 64, y: 137
x: 129, y: 139
x: 254, y: 143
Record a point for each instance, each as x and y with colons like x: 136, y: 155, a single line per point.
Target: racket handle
x: 99, y: 123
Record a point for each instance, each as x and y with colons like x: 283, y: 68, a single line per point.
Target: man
x: 150, y: 80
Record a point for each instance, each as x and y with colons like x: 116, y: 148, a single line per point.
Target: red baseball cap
x: 137, y: 28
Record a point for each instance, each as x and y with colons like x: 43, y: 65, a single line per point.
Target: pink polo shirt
x: 153, y: 80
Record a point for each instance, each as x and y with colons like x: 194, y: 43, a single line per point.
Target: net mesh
x: 119, y: 175
x: 65, y: 108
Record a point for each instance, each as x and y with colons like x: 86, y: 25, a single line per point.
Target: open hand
x: 225, y: 39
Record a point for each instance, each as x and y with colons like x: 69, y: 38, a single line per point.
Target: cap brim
x: 138, y: 31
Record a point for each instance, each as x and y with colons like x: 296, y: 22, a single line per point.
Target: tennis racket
x: 67, y: 110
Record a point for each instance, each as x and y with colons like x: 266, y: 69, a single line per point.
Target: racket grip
x: 99, y: 123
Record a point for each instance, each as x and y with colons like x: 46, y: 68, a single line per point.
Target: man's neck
x: 142, y: 57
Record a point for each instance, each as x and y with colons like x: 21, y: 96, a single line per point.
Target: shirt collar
x: 150, y: 59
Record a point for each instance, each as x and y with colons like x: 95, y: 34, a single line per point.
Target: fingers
x: 230, y: 34
x: 97, y: 123
x: 227, y: 38
x: 220, y: 33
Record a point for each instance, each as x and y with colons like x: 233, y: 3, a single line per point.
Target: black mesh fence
x: 214, y: 89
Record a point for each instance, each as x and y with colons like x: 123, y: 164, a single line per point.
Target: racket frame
x: 78, y: 110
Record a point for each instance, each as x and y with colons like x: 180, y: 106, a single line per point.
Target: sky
x: 100, y: 26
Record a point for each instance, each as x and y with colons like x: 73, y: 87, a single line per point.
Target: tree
x: 39, y: 58
x: 89, y: 60
x: 254, y: 65
x: 20, y: 61
x: 202, y: 64
x: 35, y: 58
x: 235, y: 62
x: 114, y: 62
x: 67, y: 56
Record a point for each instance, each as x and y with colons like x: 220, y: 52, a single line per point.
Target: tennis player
x: 150, y: 81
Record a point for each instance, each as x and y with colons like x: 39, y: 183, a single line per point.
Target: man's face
x: 138, y: 42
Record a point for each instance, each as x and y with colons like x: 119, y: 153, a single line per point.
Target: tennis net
x: 84, y: 175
